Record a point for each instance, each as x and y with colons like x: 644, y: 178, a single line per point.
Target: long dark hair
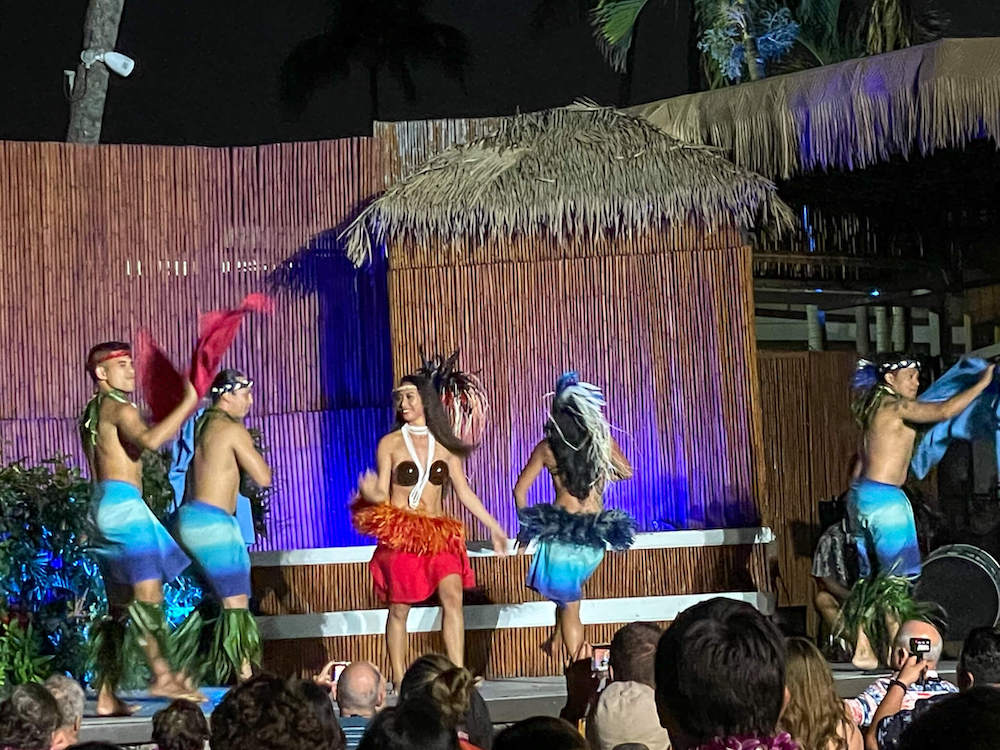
x: 435, y: 416
x: 566, y: 436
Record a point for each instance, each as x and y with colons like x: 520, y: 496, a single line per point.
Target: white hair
x: 69, y: 696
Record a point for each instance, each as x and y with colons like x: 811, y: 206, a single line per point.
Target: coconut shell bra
x: 407, y: 474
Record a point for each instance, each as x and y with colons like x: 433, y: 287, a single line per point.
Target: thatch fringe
x: 849, y: 115
x: 578, y: 170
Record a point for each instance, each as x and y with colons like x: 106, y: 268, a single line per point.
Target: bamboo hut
x: 584, y: 238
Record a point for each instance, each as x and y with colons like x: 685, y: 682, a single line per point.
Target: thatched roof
x: 576, y: 170
x: 849, y: 115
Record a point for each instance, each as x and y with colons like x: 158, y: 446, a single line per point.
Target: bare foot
x: 174, y: 688
x: 109, y: 704
x: 864, y: 655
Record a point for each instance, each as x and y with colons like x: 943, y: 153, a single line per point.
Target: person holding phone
x: 915, y: 677
x: 574, y: 530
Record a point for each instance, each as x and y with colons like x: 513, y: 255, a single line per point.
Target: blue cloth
x: 131, y: 544
x: 212, y: 538
x: 180, y: 459
x: 559, y: 569
x: 979, y: 421
x: 880, y: 521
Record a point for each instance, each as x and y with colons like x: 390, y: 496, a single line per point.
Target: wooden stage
x: 318, y: 604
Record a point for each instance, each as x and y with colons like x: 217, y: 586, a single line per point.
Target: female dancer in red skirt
x: 440, y: 414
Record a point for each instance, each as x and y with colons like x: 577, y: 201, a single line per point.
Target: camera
x: 920, y: 646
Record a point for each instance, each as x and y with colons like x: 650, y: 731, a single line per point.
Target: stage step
x: 318, y: 604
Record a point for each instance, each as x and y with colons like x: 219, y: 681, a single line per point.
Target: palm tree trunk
x: 373, y: 91
x: 754, y: 65
x: 100, y: 32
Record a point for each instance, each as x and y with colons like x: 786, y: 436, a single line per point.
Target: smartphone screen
x: 602, y: 655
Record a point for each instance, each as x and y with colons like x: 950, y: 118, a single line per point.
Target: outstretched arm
x: 469, y: 499
x: 528, y: 475
x: 249, y: 459
x: 132, y: 427
x: 926, y: 412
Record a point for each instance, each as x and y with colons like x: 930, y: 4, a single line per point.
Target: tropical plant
x: 377, y: 35
x: 21, y: 658
x: 51, y: 589
x: 748, y: 39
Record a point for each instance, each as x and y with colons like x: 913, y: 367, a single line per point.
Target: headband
x: 112, y: 355
x: 900, y: 364
x: 236, y: 385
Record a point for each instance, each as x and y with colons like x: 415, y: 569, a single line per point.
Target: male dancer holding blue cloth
x: 207, y: 528
x: 886, y: 406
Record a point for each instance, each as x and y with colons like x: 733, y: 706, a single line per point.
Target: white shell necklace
x: 423, y: 469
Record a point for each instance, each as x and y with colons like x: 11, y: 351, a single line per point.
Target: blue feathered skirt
x: 570, y: 547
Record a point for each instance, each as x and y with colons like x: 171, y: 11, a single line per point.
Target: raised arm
x: 925, y: 412
x: 528, y: 475
x: 374, y: 487
x: 469, y: 499
x: 249, y: 459
x: 150, y: 437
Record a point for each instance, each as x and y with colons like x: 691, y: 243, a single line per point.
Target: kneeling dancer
x: 420, y: 550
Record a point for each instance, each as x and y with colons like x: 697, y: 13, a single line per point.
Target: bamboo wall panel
x: 495, y: 654
x: 98, y: 241
x: 810, y: 439
x: 305, y: 589
x: 667, y: 334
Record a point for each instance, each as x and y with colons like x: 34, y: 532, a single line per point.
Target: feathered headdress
x: 584, y: 402
x: 462, y: 395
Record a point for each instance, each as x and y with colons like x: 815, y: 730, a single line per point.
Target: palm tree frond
x: 613, y: 22
x: 310, y: 62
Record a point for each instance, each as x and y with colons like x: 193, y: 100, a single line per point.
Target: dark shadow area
x: 355, y: 374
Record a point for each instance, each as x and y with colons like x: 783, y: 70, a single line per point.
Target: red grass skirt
x: 415, y: 552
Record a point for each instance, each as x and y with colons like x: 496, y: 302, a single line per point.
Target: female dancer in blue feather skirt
x: 574, y: 530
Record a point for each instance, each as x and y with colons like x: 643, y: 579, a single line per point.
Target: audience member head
x: 540, y: 733
x: 360, y: 689
x: 69, y: 697
x: 630, y: 746
x: 29, y: 718
x: 969, y: 720
x: 477, y: 726
x: 979, y: 664
x: 268, y: 713
x: 435, y: 677
x: 415, y: 724
x: 814, y: 712
x: 720, y: 672
x: 916, y: 629
x: 633, y: 653
x: 180, y: 726
x: 321, y: 703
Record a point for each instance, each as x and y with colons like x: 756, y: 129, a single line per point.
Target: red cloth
x: 409, y: 578
x: 162, y: 385
x: 217, y: 329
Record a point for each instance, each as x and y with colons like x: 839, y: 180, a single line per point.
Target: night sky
x: 208, y: 70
